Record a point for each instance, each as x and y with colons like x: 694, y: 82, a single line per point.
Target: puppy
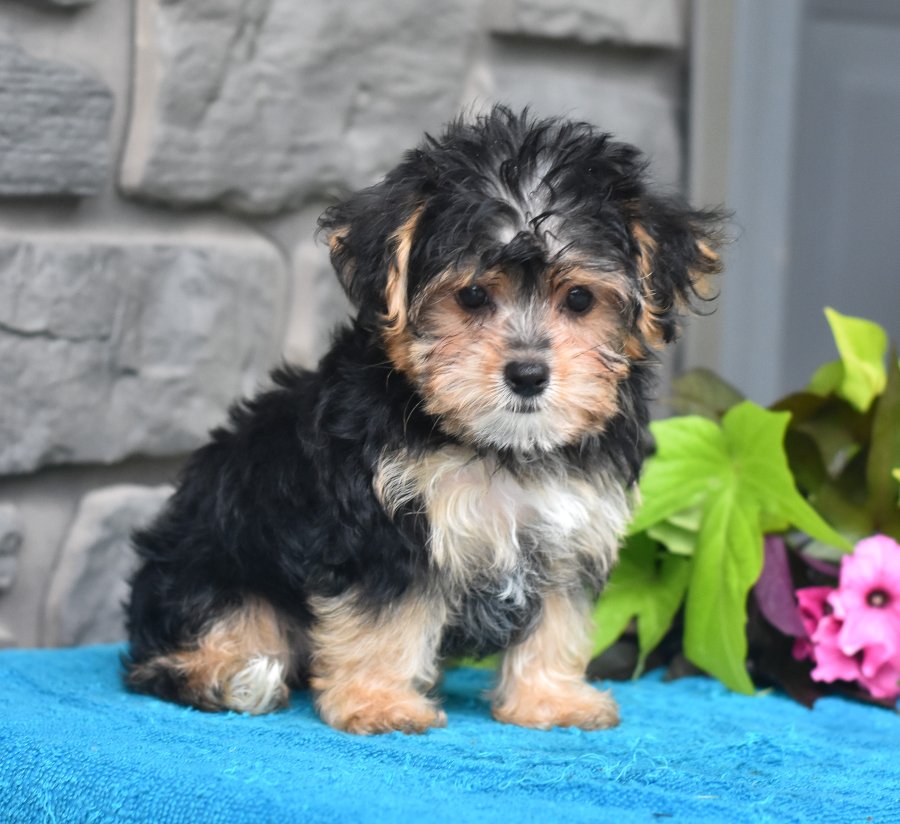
x: 454, y: 478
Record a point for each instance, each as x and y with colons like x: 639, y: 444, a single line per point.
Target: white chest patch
x: 479, y: 512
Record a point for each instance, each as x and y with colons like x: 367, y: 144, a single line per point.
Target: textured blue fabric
x: 75, y: 746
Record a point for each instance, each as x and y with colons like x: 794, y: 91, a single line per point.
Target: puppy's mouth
x: 524, y: 407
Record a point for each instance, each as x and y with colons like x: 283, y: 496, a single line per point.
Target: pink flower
x: 867, y: 603
x: 812, y: 607
x: 853, y: 631
x: 832, y: 663
x: 883, y: 682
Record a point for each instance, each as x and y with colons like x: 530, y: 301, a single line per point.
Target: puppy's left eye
x: 472, y: 297
x: 579, y: 300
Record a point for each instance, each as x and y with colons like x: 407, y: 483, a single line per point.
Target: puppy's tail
x: 156, y: 677
x: 239, y: 659
x: 254, y: 685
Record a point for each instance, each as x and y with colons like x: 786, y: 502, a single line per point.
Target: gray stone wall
x: 162, y: 165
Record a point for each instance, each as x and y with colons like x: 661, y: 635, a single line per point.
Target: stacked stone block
x: 157, y: 213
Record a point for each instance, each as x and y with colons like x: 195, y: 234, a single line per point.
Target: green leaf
x: 862, y: 345
x: 845, y: 502
x: 729, y: 555
x: 835, y: 439
x: 827, y: 379
x: 756, y: 440
x: 674, y: 538
x: 834, y: 426
x: 884, y: 455
x: 738, y: 476
x: 688, y: 463
x: 648, y: 585
x: 801, y: 405
x: 703, y: 392
x: 770, y: 523
x: 851, y: 518
x: 728, y: 562
x: 829, y: 424
x: 688, y: 519
x: 805, y: 460
x: 678, y: 533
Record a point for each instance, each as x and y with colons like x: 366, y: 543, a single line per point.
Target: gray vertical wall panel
x: 753, y: 308
x: 845, y: 209
x: 814, y: 183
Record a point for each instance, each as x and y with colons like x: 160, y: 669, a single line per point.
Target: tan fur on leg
x: 542, y: 679
x: 370, y: 673
x: 240, y: 662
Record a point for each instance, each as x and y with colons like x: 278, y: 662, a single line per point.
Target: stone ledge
x: 111, y: 350
x: 54, y: 137
x: 655, y: 23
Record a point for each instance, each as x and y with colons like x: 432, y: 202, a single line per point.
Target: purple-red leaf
x: 774, y: 590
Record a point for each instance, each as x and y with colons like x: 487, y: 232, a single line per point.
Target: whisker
x: 408, y: 418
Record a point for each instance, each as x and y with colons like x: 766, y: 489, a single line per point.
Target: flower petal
x: 874, y: 564
x: 811, y: 602
x: 803, y: 650
x: 832, y: 664
x: 884, y: 683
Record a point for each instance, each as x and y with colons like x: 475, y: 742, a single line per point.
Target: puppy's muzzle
x: 527, y: 378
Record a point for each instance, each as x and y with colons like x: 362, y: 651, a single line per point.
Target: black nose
x: 526, y: 378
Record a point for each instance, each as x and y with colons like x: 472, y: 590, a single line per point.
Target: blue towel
x: 76, y: 747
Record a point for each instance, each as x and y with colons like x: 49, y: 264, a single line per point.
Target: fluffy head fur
x: 453, y: 476
x: 521, y: 215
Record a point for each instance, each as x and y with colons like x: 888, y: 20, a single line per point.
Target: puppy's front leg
x: 542, y: 679
x: 370, y: 669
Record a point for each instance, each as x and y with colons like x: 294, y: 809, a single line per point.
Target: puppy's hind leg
x: 370, y: 669
x: 240, y: 662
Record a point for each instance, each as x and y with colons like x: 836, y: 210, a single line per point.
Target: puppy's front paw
x: 567, y: 705
x: 370, y: 711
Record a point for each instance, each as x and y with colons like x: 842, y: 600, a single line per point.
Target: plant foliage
x: 821, y: 463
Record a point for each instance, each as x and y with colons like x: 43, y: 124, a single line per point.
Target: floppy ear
x: 370, y: 235
x: 676, y: 256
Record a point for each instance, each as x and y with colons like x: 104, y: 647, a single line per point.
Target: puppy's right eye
x: 472, y: 297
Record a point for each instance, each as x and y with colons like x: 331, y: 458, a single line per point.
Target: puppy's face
x: 516, y: 272
x: 513, y: 361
